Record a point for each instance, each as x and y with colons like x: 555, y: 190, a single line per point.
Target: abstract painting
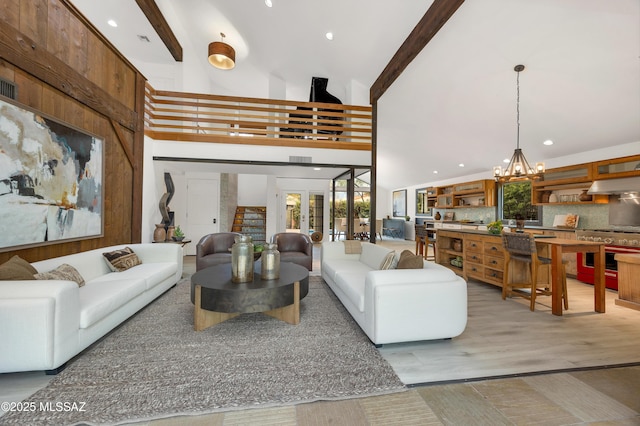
x: 50, y: 180
x: 400, y: 203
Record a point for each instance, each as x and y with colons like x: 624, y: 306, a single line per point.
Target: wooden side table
x: 183, y: 242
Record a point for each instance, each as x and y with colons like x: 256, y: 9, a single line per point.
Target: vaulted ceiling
x: 454, y: 104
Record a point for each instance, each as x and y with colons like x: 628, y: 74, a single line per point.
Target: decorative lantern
x: 242, y: 260
x: 270, y: 263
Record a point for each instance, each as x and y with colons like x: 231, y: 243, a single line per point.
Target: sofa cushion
x: 334, y: 266
x: 352, y: 284
x: 17, y: 268
x: 64, y: 272
x: 373, y: 255
x: 153, y: 273
x: 408, y: 260
x: 122, y: 259
x: 99, y: 299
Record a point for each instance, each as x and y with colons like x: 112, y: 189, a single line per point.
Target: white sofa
x: 46, y: 323
x: 396, y: 305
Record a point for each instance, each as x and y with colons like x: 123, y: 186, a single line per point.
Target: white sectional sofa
x: 45, y: 323
x: 396, y: 305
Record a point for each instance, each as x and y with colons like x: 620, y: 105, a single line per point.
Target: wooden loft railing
x: 192, y: 117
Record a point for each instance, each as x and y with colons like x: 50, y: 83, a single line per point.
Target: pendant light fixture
x: 518, y: 168
x: 221, y: 55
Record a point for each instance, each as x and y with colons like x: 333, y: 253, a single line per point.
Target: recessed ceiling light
x: 461, y: 165
x: 548, y: 142
x: 112, y: 23
x: 268, y: 3
x: 435, y: 172
x: 329, y: 35
x: 506, y: 160
x: 317, y: 168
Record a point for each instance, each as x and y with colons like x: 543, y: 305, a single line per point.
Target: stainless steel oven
x: 616, y: 242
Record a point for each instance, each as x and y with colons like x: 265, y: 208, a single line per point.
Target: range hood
x: 615, y: 186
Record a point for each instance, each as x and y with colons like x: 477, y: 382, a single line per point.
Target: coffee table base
x: 203, y: 318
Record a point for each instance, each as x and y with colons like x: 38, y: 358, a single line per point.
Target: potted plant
x: 257, y: 251
x: 178, y: 235
x: 495, y: 227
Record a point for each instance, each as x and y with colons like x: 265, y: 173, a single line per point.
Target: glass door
x: 302, y: 211
x: 316, y: 213
x: 294, y: 211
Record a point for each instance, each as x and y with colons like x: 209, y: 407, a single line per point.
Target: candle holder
x: 242, y: 260
x: 270, y: 269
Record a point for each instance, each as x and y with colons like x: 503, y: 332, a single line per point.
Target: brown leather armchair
x: 294, y: 248
x: 213, y: 249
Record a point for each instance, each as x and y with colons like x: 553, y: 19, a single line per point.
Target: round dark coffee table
x: 216, y: 298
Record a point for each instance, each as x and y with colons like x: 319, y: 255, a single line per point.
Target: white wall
x: 252, y: 190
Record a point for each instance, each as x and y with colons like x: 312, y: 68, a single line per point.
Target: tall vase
x: 270, y: 269
x: 159, y: 235
x: 242, y: 260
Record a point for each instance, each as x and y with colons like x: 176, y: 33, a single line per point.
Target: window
x: 515, y: 202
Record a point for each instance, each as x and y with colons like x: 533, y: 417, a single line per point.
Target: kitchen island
x: 479, y: 255
x: 628, y: 281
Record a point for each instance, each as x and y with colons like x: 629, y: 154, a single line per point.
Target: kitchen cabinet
x: 563, y: 185
x: 444, y: 198
x: 617, y: 168
x: 481, y: 193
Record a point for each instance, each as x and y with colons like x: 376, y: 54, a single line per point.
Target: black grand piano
x: 318, y: 93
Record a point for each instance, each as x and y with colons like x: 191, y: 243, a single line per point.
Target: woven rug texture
x: 155, y: 365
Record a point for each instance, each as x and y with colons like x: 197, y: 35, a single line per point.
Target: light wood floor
x: 503, y: 338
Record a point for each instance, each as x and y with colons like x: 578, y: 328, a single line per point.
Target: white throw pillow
x: 373, y: 255
x: 388, y: 261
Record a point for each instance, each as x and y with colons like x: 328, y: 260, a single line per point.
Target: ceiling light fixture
x: 221, y: 55
x: 329, y: 35
x: 112, y: 23
x: 518, y: 168
x: 268, y: 3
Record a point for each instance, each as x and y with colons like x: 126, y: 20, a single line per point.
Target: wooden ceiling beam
x: 157, y: 21
x: 435, y: 17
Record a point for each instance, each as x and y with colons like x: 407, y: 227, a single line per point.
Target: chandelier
x: 518, y: 168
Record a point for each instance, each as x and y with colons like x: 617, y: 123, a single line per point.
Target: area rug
x: 156, y: 366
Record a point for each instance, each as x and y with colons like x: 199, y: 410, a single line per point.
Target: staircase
x: 251, y: 221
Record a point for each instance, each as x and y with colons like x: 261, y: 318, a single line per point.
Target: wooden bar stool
x: 521, y: 247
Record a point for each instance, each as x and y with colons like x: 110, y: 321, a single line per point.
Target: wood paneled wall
x: 65, y: 69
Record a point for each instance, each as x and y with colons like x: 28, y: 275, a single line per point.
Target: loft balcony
x: 192, y: 117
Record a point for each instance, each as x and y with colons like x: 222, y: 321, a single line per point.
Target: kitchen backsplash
x: 592, y: 216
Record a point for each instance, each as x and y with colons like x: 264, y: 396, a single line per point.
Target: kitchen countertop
x: 487, y: 233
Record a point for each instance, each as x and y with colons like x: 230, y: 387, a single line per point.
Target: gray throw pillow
x: 63, y: 272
